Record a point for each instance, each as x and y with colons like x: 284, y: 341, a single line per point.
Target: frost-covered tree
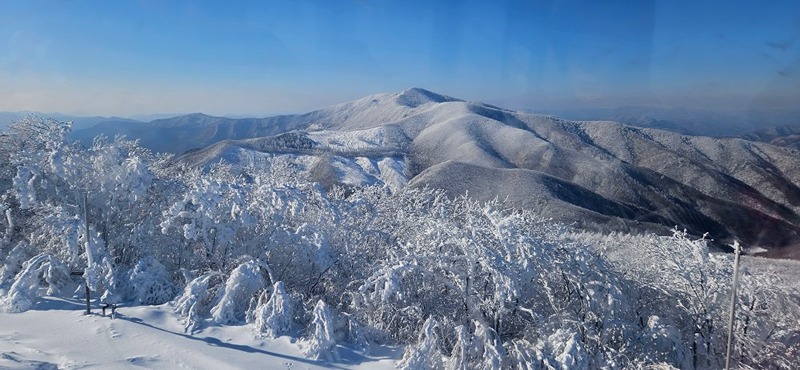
x: 425, y: 354
x: 274, y: 315
x: 209, y: 216
x: 36, y: 272
x: 58, y: 184
x: 321, y: 341
x: 682, y: 290
x: 766, y: 330
x: 477, y: 347
x: 197, y: 298
x: 151, y: 282
x: 244, y: 282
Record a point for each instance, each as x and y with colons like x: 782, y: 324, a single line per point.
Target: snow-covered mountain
x: 687, y: 121
x: 786, y: 136
x: 598, y: 175
x: 194, y: 131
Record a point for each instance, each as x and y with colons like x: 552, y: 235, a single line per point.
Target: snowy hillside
x: 608, y: 175
x: 55, y: 334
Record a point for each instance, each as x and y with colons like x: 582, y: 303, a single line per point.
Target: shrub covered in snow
x: 321, y: 340
x: 42, y: 271
x: 425, y: 353
x: 477, y: 347
x: 274, y: 314
x: 245, y: 281
x: 13, y: 264
x: 195, y: 302
x: 151, y: 282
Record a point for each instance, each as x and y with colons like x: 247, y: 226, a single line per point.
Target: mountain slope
x: 695, y: 185
x: 601, y: 175
x: 194, y: 131
x: 785, y: 136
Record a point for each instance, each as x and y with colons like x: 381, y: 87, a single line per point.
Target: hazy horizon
x: 264, y: 58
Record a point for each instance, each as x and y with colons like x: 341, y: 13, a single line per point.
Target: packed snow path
x: 56, y: 334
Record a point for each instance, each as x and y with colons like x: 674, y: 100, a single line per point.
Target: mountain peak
x: 198, y: 115
x: 415, y: 96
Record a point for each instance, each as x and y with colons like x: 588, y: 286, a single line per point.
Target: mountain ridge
x: 606, y: 175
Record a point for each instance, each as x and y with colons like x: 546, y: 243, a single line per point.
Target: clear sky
x: 264, y: 57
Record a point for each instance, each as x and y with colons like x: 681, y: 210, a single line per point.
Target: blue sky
x: 265, y: 57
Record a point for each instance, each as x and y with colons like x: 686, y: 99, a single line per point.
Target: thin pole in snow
x: 737, y: 250
x: 88, y: 252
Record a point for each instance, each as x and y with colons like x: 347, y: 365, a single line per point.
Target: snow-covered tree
x: 151, y: 282
x: 477, y: 347
x: 321, y: 341
x: 766, y: 329
x: 274, y: 316
x: 244, y: 281
x: 424, y: 354
x: 197, y: 298
x: 40, y: 270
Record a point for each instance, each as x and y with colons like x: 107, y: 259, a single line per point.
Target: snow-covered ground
x: 56, y: 334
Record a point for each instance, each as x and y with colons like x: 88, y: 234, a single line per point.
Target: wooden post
x: 737, y: 250
x: 88, y: 306
x: 88, y: 252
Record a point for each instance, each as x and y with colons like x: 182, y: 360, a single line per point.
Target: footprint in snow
x: 144, y: 361
x: 113, y: 333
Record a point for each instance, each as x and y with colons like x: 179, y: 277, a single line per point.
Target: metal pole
x: 737, y: 250
x: 88, y: 252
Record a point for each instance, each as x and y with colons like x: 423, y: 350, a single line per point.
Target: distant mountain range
x: 786, y: 136
x: 775, y: 127
x: 79, y: 122
x: 192, y: 131
x: 599, y: 175
x: 684, y: 120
